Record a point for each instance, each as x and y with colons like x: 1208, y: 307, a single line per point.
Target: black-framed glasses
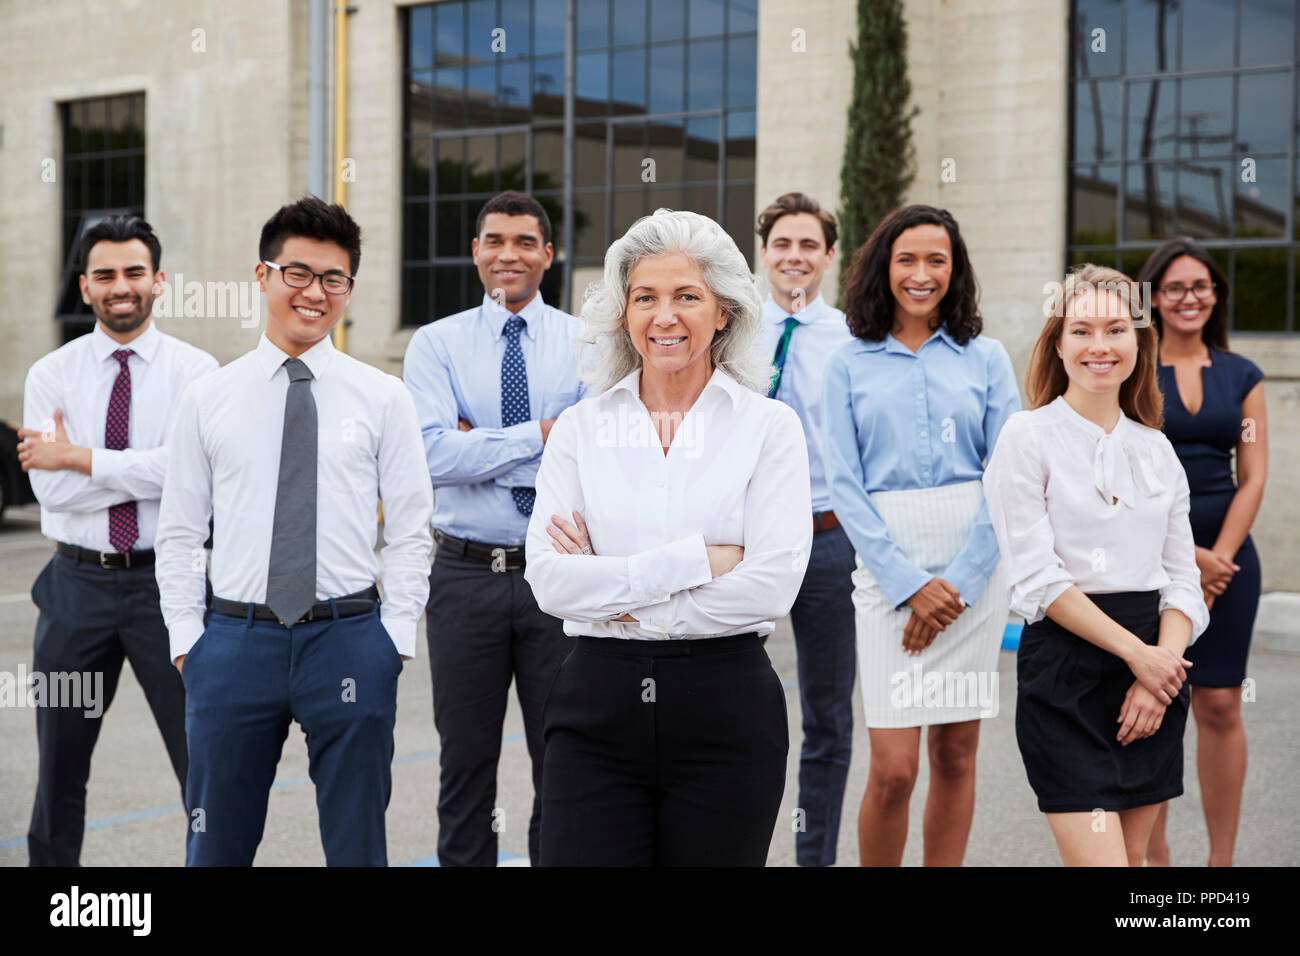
x: 300, y: 277
x: 1202, y: 290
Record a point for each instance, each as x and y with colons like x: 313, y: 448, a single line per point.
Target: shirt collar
x: 496, y: 316
x: 891, y: 344
x: 144, y: 345
x: 719, y: 381
x: 811, y: 312
x: 271, y: 357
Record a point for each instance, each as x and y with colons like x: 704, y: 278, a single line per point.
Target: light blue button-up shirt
x: 453, y: 369
x: 897, y: 420
x: 821, y: 330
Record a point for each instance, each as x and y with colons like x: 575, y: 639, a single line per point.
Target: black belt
x: 349, y: 605
x: 112, y: 560
x: 477, y: 550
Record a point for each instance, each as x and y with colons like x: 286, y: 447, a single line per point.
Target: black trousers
x: 90, y: 619
x: 484, y: 628
x: 663, y: 753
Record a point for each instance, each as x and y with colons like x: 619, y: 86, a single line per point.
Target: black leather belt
x: 112, y: 560
x: 478, y: 551
x: 349, y: 605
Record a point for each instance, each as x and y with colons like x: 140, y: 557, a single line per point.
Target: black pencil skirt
x: 663, y: 753
x: 1068, y: 698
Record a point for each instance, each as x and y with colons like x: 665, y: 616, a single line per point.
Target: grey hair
x: 725, y: 272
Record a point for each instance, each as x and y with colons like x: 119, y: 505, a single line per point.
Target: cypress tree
x: 879, y: 159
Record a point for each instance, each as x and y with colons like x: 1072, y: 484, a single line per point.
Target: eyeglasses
x: 300, y: 277
x: 1202, y: 289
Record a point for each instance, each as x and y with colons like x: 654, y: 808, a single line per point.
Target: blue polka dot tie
x: 123, y: 519
x: 514, y: 398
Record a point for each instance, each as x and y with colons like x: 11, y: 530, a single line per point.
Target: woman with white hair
x: 669, y: 532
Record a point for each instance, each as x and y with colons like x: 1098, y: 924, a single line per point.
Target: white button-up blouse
x: 1071, y: 504
x: 736, y: 473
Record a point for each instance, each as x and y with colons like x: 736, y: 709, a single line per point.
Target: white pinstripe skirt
x: 956, y: 677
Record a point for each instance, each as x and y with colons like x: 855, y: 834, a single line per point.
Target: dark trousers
x: 484, y: 627
x: 663, y: 753
x: 90, y: 619
x: 825, y: 642
x: 245, y: 682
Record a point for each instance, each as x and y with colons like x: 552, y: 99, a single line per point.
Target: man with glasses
x: 289, y: 448
x: 97, y: 412
x: 489, y: 383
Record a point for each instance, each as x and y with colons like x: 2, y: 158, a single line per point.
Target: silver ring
x: 587, y: 550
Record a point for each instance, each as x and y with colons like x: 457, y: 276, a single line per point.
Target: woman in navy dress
x: 1214, y: 403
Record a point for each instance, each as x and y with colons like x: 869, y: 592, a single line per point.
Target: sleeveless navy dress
x: 1204, y: 443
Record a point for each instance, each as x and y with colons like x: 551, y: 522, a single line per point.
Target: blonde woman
x: 670, y: 531
x: 1090, y: 507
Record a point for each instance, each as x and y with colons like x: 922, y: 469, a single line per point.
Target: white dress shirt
x: 78, y: 379
x: 1071, y: 504
x: 736, y: 473
x: 225, y: 462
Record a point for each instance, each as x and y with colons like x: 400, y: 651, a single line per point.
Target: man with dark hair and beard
x: 96, y: 414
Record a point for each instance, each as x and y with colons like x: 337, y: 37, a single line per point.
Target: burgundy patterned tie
x: 123, y: 527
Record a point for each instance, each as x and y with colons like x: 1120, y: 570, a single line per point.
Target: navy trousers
x: 91, y: 619
x: 485, y: 628
x: 245, y: 681
x: 825, y: 641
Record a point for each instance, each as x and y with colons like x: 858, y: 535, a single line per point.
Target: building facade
x: 1056, y: 131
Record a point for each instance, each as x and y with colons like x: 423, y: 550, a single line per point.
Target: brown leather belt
x: 478, y: 551
x: 825, y: 521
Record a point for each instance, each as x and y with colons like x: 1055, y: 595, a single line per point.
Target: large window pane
x: 1150, y: 36
x: 744, y: 16
x: 589, y: 224
x: 453, y: 233
x: 702, y: 199
x: 449, y: 291
x: 450, y: 178
x: 449, y: 38
x: 629, y: 154
x: 1148, y: 202
x: 548, y: 86
x: 702, y: 150
x: 704, y: 85
x: 1267, y: 31
x: 1151, y: 124
x: 705, y: 17
x: 449, y: 97
x: 1097, y: 120
x: 592, y: 24
x: 667, y: 64
x: 514, y: 94
x: 630, y: 22
x: 665, y: 148
x: 588, y: 155
x: 591, y: 87
x: 1208, y: 34
x: 481, y: 20
x: 1262, y: 99
x: 740, y: 145
x: 415, y: 234
x: 416, y: 301
x: 548, y: 158
x: 667, y: 20
x: 629, y: 206
x: 419, y: 102
x: 481, y: 164
x: 628, y: 74
x: 512, y: 160
x: 1092, y: 191
x: 1205, y: 117
x: 1259, y: 290
x: 742, y: 72
x: 1205, y: 198
x: 1262, y: 195
x: 741, y: 218
x: 1098, y: 53
x: 516, y: 21
x: 420, y: 38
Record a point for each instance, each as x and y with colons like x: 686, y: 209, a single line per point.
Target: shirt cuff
x: 1033, y: 605
x: 900, y: 579
x: 185, y: 635
x: 525, y: 439
x: 106, y: 466
x: 657, y: 574
x: 1190, y: 603
x: 968, y: 581
x: 401, y: 631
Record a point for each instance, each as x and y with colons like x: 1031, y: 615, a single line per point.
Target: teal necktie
x: 778, y: 360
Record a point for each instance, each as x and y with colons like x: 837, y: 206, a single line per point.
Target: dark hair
x: 1215, y: 331
x: 868, y: 299
x: 312, y: 218
x: 791, y: 204
x: 514, y: 203
x: 120, y: 229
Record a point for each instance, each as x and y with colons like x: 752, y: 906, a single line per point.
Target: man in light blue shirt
x: 488, y: 384
x: 800, y: 330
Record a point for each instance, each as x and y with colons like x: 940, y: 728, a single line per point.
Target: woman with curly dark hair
x: 912, y: 408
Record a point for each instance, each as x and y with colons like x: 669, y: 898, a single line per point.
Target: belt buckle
x: 103, y: 560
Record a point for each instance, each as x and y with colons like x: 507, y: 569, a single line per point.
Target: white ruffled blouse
x: 1071, y: 504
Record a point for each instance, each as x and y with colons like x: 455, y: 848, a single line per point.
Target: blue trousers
x: 245, y: 681
x: 825, y: 642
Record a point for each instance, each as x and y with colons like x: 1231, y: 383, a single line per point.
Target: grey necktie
x: 291, y: 576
